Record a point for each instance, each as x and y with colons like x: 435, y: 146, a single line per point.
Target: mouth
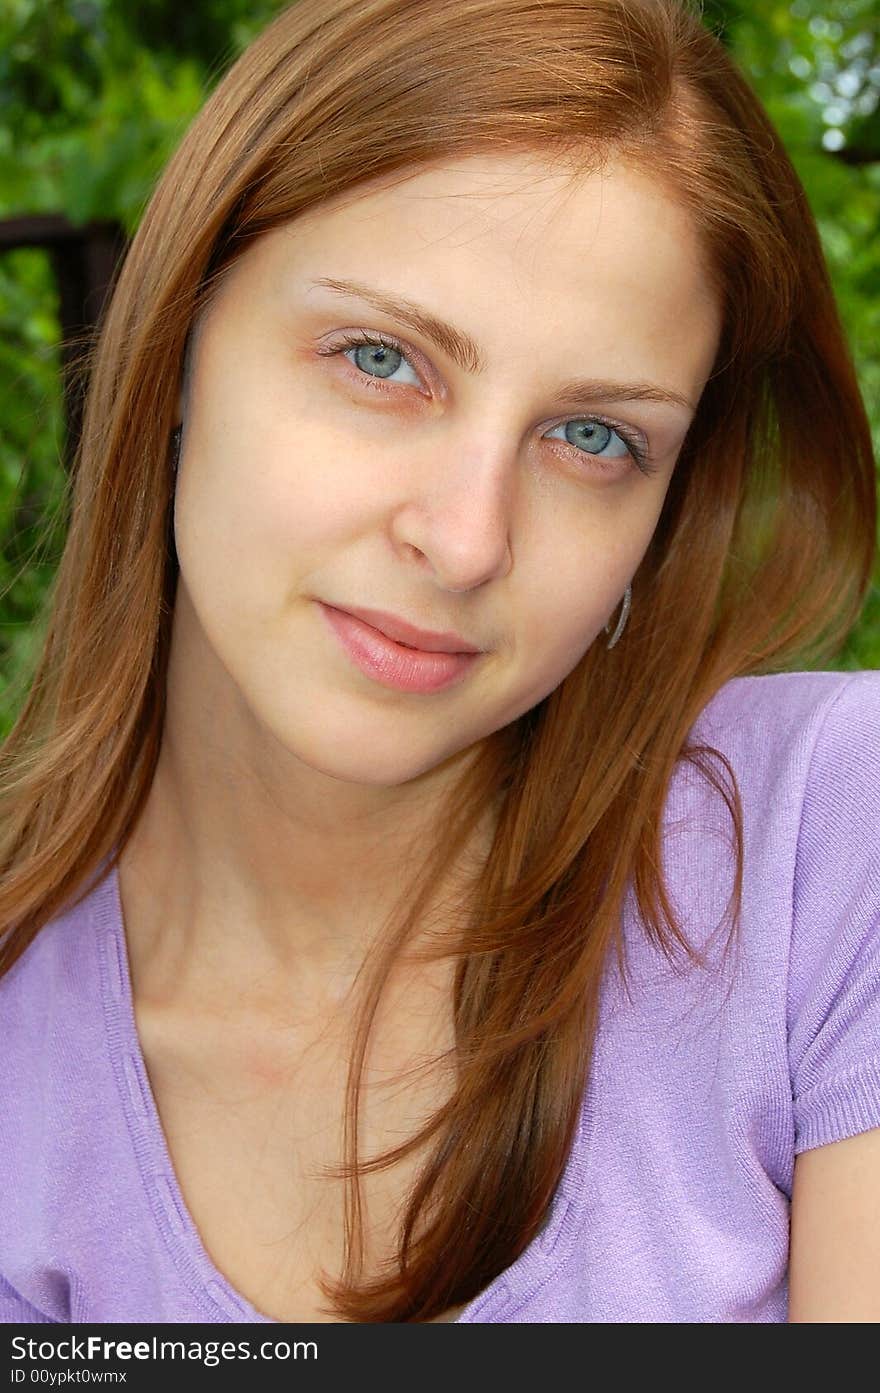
x: 410, y: 635
x: 393, y: 663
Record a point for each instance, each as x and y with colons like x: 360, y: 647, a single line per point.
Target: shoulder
x: 801, y: 751
x: 54, y: 1152
x: 833, y: 981
x: 54, y: 967
x: 764, y: 711
x: 50, y: 1011
x: 797, y: 740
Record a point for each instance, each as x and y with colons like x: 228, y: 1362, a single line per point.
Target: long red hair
x: 760, y: 562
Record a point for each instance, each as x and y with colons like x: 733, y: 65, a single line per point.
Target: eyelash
x: 382, y: 340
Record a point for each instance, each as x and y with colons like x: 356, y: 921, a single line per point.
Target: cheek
x: 573, y: 580
x: 256, y: 474
x: 558, y: 614
x: 562, y: 623
x: 255, y: 502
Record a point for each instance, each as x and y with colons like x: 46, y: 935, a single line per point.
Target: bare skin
x: 291, y: 788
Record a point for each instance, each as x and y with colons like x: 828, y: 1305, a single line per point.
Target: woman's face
x: 481, y: 478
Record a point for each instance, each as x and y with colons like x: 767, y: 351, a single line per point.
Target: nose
x: 459, y: 515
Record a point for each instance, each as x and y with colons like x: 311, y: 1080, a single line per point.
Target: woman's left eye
x: 588, y: 435
x: 593, y: 436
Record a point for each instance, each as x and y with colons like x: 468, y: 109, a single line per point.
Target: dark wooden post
x: 85, y: 261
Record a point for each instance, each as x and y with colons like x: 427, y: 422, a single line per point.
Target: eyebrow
x: 463, y: 350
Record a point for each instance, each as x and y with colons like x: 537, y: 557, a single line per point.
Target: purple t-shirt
x: 675, y: 1202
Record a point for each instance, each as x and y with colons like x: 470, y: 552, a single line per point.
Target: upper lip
x: 393, y: 627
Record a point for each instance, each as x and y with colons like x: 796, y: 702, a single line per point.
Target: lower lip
x: 392, y: 664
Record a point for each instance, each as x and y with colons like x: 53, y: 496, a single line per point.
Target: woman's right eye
x: 375, y: 357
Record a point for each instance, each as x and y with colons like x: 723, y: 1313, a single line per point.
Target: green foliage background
x: 95, y: 94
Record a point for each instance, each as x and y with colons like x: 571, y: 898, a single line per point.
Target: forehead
x: 516, y: 242
x: 517, y: 208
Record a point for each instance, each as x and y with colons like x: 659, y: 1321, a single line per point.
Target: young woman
x: 440, y: 881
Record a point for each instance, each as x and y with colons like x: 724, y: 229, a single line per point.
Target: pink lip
x: 402, y: 632
x: 390, y: 663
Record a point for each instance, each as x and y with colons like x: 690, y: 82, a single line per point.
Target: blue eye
x: 379, y: 353
x: 383, y: 353
x: 593, y: 436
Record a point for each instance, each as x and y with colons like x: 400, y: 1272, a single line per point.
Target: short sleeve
x: 14, y: 1310
x: 834, y: 965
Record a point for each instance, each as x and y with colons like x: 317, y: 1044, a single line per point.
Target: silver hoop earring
x: 624, y: 615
